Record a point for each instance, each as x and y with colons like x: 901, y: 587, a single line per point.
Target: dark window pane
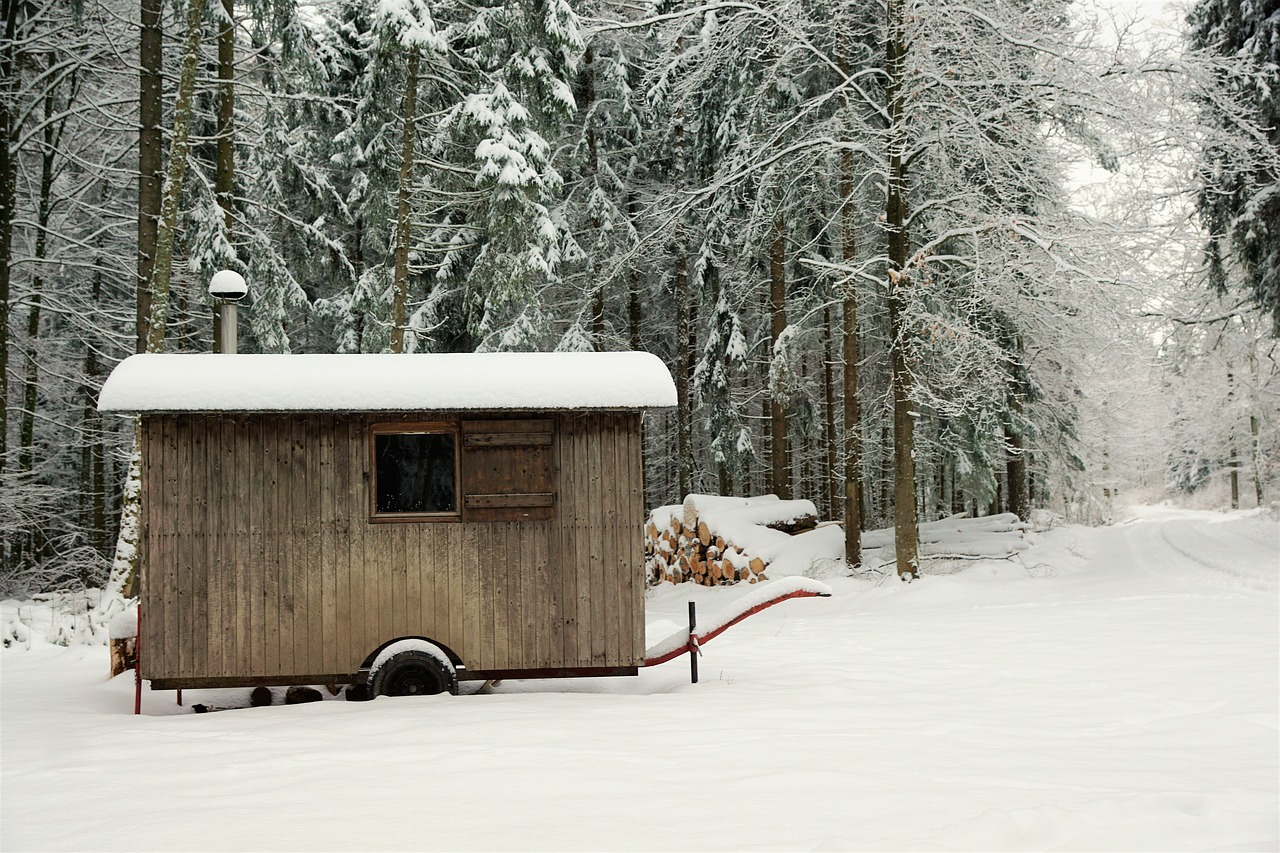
x: 415, y: 472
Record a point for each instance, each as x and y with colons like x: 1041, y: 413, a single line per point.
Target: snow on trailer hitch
x: 690, y: 640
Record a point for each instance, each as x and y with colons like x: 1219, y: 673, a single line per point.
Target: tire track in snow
x: 1211, y: 556
x: 1238, y: 554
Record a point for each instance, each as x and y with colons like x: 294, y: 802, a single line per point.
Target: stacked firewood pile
x: 714, y: 541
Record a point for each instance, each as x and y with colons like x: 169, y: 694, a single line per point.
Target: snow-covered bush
x: 79, y: 618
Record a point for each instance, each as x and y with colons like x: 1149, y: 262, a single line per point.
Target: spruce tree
x: 1239, y: 197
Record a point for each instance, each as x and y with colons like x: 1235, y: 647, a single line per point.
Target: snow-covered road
x: 1109, y: 689
x: 1200, y: 548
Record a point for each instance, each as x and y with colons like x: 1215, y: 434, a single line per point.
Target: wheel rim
x: 413, y: 680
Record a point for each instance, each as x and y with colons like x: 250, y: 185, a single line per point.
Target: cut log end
x: 704, y: 533
x: 124, y: 655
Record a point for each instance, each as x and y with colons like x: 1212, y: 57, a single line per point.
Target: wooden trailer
x: 313, y: 519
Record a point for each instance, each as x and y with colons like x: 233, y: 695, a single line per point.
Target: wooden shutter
x: 508, y: 470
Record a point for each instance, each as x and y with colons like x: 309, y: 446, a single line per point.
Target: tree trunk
x: 124, y: 572
x: 765, y: 474
x: 633, y: 311
x: 597, y: 309
x: 1233, y: 456
x: 8, y: 202
x: 724, y: 478
x: 400, y: 282
x: 94, y: 467
x: 179, y: 145
x: 684, y: 333
x: 30, y: 381
x: 779, y: 444
x: 1256, y: 447
x: 593, y: 170
x: 224, y: 180
x: 905, y: 525
x: 633, y: 285
x: 687, y: 368
x: 91, y: 480
x: 684, y: 414
x: 150, y: 156
x: 829, y: 478
x: 1234, y: 462
x: 633, y: 330
x: 884, y: 496
x: 1019, y: 493
x: 124, y: 568
x: 802, y: 446
x: 849, y: 339
x: 947, y: 486
x: 724, y: 471
x: 225, y: 157
x: 357, y: 269
x: 30, y: 397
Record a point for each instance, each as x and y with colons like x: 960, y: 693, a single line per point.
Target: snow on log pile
x: 713, y: 540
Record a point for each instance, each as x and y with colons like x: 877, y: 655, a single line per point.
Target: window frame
x: 451, y: 428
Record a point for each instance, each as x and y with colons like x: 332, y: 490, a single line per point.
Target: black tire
x: 413, y: 672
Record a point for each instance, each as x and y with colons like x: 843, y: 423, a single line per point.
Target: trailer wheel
x: 412, y: 668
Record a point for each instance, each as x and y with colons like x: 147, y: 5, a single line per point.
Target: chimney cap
x: 228, y: 285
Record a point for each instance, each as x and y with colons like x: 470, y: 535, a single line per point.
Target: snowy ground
x: 1108, y: 689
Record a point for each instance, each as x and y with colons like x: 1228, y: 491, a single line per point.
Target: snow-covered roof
x: 365, y: 383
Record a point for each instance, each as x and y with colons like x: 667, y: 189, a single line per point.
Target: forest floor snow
x: 1114, y: 688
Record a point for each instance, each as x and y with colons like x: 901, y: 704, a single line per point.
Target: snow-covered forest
x: 903, y: 259
x: 1111, y: 688
x: 982, y: 295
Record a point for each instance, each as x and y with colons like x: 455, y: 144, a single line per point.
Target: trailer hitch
x: 690, y: 640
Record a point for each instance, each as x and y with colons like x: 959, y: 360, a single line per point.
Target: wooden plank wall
x: 259, y: 560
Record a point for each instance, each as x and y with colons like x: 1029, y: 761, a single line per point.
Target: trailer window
x: 415, y: 472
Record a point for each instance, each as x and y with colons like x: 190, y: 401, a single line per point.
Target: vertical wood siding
x: 259, y: 560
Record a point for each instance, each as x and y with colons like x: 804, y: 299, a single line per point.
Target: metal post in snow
x: 137, y: 666
x: 693, y: 643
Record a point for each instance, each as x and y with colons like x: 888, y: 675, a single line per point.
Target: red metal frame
x: 137, y: 666
x: 697, y: 640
